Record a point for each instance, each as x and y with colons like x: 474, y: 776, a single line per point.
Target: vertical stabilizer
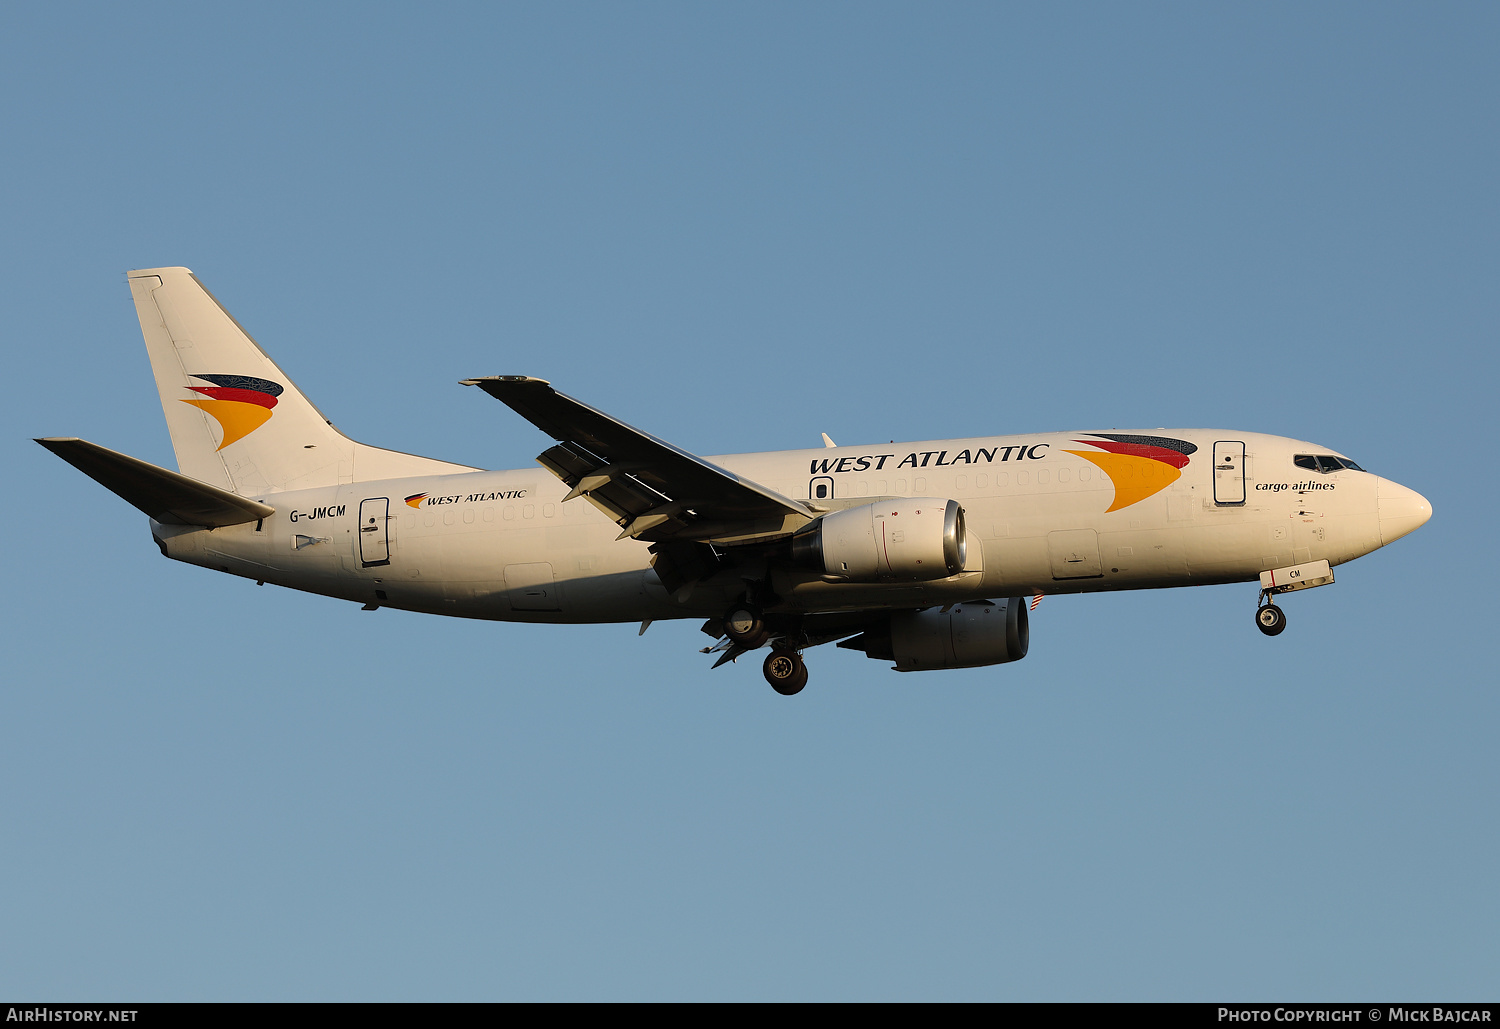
x: 237, y: 421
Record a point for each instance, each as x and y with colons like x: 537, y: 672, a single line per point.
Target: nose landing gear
x: 1270, y: 619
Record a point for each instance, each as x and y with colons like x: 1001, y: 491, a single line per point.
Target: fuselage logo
x: 239, y: 403
x: 416, y: 500
x: 1139, y: 466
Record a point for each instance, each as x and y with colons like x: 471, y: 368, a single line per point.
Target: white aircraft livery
x: 923, y: 555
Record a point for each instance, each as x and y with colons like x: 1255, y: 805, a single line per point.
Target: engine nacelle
x: 966, y: 636
x: 913, y: 538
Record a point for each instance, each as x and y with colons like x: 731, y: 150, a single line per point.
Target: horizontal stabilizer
x: 166, y: 496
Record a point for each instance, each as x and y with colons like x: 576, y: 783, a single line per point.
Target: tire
x: 785, y: 671
x: 1270, y: 620
x: 743, y: 624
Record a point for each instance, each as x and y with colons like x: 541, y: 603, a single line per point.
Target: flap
x: 166, y: 496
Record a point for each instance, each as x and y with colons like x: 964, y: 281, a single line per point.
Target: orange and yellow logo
x: 1139, y: 466
x: 239, y: 403
x: 415, y: 500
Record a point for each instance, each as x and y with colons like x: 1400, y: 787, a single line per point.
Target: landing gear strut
x: 786, y: 672
x: 1270, y: 619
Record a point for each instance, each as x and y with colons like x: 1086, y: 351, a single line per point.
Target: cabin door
x: 374, y: 532
x: 1229, y: 472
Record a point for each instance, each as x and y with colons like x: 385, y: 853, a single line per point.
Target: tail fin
x: 236, y: 420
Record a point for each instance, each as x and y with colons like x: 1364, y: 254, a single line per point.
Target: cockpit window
x: 1324, y: 463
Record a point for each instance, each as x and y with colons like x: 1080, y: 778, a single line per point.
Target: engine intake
x: 912, y: 538
x: 967, y: 636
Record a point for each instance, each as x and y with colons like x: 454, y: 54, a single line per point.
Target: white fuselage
x: 503, y: 545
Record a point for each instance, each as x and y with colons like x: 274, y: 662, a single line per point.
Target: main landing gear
x: 785, y: 671
x: 784, y: 668
x: 743, y: 629
x: 745, y: 626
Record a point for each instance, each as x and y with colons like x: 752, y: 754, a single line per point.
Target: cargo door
x: 1075, y: 554
x: 531, y: 587
x: 1229, y: 472
x: 374, y: 532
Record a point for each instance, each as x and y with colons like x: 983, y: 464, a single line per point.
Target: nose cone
x: 1402, y: 510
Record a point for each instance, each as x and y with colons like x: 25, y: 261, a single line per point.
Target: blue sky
x: 738, y: 226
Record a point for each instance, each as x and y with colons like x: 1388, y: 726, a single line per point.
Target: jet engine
x: 966, y: 636
x: 913, y: 538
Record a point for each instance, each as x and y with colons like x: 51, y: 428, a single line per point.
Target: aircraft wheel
x: 786, y: 672
x: 743, y: 624
x: 1270, y: 620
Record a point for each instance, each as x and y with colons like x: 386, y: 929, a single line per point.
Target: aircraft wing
x: 655, y: 491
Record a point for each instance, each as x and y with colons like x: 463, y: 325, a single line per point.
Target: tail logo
x: 1139, y: 466
x: 239, y: 403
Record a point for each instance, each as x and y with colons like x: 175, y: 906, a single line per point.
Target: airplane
x: 920, y: 554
